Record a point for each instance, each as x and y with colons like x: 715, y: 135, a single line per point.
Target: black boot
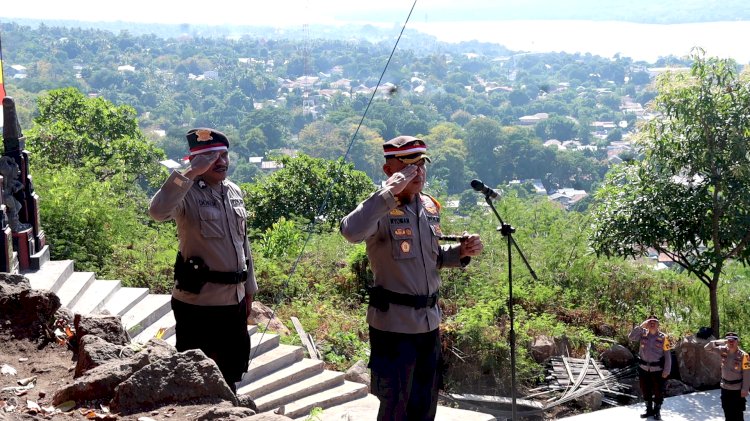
x: 657, y: 411
x: 649, y: 410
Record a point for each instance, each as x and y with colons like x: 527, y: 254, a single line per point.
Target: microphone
x: 484, y: 189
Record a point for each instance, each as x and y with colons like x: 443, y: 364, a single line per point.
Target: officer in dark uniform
x: 655, y: 364
x: 735, y: 375
x: 401, y: 227
x: 214, y: 278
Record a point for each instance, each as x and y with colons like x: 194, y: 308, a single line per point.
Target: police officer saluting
x: 214, y: 279
x: 735, y: 375
x: 655, y: 364
x: 400, y: 227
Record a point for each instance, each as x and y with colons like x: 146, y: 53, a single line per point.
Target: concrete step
x: 167, y: 322
x: 124, y: 299
x: 349, y: 391
x: 261, y: 343
x: 146, y: 312
x: 74, y: 287
x: 284, y: 377
x: 51, y: 275
x: 95, y: 296
x: 366, y: 408
x: 309, y: 386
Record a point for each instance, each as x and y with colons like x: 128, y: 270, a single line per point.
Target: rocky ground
x: 39, y: 352
x: 51, y: 368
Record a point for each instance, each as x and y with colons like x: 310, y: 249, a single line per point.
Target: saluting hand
x: 400, y: 179
x: 471, y: 245
x: 200, y: 164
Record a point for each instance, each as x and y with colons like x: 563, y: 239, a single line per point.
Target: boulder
x: 25, y: 312
x: 590, y: 401
x: 185, y: 377
x: 617, y: 356
x: 94, y: 351
x: 358, y: 373
x: 105, y: 326
x: 675, y: 387
x: 260, y: 315
x: 698, y: 368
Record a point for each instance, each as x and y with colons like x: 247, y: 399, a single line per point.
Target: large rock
x: 358, y: 373
x: 105, y: 326
x: 675, y: 387
x: 25, y: 312
x: 100, y: 382
x: 543, y: 347
x: 698, y: 368
x: 185, y: 377
x: 590, y: 401
x: 617, y: 357
x: 262, y: 315
x: 94, y: 351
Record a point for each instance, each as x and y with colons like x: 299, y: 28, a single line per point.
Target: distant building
x: 530, y: 120
x: 567, y: 197
x: 171, y: 164
x: 125, y: 68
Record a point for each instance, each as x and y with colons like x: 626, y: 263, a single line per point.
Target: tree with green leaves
x: 92, y: 133
x: 689, y: 198
x: 300, y: 188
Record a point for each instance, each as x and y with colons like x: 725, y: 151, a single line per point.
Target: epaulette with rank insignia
x: 435, y: 201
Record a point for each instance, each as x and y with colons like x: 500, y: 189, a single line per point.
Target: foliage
x: 690, y: 196
x: 94, y: 134
x: 281, y: 240
x: 302, y: 188
x: 92, y: 223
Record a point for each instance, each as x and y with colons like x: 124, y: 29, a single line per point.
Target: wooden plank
x: 305, y: 338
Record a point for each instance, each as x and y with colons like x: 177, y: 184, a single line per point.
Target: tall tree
x: 689, y: 198
x: 92, y: 133
x: 299, y: 189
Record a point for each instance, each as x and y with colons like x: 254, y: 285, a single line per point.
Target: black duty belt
x: 653, y: 364
x: 226, y: 277
x: 738, y: 381
x: 381, y: 299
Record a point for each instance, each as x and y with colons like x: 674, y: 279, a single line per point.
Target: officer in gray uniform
x: 654, y: 365
x: 735, y: 375
x: 214, y: 279
x: 400, y: 227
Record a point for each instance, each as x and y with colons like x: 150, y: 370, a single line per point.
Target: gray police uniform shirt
x: 211, y: 224
x: 402, y: 246
x: 653, y: 346
x: 735, y: 367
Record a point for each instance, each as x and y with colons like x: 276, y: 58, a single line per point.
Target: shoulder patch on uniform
x: 745, y: 361
x: 435, y: 201
x: 666, y: 344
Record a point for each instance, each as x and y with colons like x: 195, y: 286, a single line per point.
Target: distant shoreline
x: 640, y: 41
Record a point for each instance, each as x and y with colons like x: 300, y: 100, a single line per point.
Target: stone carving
x: 11, y: 185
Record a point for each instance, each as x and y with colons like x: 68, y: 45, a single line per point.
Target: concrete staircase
x: 279, y: 375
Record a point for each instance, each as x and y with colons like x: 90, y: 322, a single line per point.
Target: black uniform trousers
x: 652, y: 385
x: 405, y: 374
x: 733, y: 405
x: 219, y: 331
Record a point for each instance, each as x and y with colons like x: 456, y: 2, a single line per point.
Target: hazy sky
x: 637, y: 40
x: 216, y: 12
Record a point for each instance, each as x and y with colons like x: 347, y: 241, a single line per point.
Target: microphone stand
x: 507, y: 231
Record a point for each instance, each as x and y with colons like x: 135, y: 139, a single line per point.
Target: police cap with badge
x: 205, y: 140
x: 407, y: 149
